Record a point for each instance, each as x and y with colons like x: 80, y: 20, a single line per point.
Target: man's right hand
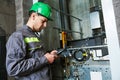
x: 51, y: 56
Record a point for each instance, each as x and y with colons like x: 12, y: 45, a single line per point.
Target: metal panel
x: 81, y: 71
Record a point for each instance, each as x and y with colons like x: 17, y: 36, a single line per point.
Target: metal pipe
x: 61, y: 3
x: 69, y: 31
x: 65, y: 13
x: 88, y: 47
x: 80, y: 29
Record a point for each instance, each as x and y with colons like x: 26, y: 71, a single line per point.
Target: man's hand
x: 51, y: 56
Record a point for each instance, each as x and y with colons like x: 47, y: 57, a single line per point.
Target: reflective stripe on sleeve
x: 31, y: 39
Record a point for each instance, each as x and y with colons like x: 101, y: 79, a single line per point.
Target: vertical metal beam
x: 112, y: 38
x: 61, y: 3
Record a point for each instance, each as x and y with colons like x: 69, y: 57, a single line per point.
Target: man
x: 26, y: 58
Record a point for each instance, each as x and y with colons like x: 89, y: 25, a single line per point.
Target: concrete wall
x: 22, y: 8
x: 7, y: 16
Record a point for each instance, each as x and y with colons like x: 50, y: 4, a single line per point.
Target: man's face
x: 39, y: 23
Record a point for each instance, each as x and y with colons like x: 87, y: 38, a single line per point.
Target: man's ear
x: 33, y: 15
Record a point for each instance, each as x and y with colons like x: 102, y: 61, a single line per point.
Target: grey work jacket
x: 25, y: 58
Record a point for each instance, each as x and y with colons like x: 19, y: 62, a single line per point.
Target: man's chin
x: 38, y: 30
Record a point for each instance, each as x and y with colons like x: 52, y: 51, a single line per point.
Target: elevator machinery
x: 85, y: 59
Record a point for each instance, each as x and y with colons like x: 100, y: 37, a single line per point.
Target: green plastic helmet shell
x: 42, y: 9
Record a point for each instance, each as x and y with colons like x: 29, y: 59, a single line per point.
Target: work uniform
x: 25, y: 56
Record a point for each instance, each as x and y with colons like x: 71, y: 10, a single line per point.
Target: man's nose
x: 45, y: 24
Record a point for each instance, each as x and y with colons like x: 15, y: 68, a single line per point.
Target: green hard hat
x: 42, y: 9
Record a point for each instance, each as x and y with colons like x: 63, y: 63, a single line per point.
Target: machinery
x: 88, y: 62
x: 84, y: 58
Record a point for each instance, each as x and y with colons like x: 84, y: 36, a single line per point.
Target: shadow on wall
x: 3, y: 74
